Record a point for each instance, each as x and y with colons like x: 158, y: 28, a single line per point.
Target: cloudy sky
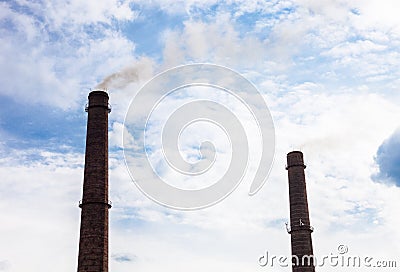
x: 328, y: 70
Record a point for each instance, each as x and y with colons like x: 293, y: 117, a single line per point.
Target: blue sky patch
x: 38, y: 126
x: 146, y: 31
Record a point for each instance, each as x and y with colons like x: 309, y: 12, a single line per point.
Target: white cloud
x: 120, y: 137
x: 379, y: 15
x: 215, y: 41
x: 358, y: 48
x: 48, y: 59
x: 338, y: 109
x: 40, y: 213
x: 76, y: 13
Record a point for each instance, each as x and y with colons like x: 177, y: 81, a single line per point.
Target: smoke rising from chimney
x: 119, y: 79
x: 141, y: 69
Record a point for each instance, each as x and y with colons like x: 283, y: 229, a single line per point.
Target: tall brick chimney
x: 93, y: 243
x: 300, y: 228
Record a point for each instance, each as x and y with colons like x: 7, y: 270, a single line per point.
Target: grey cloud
x: 123, y: 257
x: 388, y: 160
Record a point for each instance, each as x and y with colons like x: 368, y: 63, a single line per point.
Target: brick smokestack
x: 300, y: 228
x: 93, y: 243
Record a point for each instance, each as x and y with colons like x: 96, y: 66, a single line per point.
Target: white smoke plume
x: 142, y: 69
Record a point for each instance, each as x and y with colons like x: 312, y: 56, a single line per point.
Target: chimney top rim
x: 98, y: 92
x: 295, y: 152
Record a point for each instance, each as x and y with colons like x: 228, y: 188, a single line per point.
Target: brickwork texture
x: 93, y: 243
x: 300, y: 228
